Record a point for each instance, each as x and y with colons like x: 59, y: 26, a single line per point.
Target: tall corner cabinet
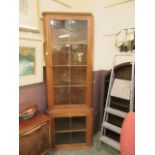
x: 68, y: 54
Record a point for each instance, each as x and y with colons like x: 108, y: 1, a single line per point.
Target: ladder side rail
x: 108, y: 96
x: 132, y: 86
x: 108, y: 99
x: 107, y: 103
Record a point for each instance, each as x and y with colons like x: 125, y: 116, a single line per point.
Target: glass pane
x: 62, y: 124
x: 78, y: 30
x: 60, y: 75
x: 78, y: 75
x: 78, y: 137
x: 60, y: 31
x: 69, y: 30
x: 60, y: 54
x: 78, y: 95
x: 61, y: 95
x: 78, y: 123
x: 62, y: 138
x: 78, y: 54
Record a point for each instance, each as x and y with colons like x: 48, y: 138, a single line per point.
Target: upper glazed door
x: 69, y: 59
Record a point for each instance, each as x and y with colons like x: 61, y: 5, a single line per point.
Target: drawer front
x: 35, y: 141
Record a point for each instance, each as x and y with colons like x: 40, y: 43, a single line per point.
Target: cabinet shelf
x: 70, y: 138
x: 78, y: 65
x: 72, y: 129
x: 68, y: 43
x: 57, y: 86
x: 70, y: 124
x: 65, y: 131
x: 78, y: 137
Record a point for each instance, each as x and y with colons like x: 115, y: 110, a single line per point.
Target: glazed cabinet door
x: 68, y: 47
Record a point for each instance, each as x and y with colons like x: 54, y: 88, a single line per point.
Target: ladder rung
x: 112, y: 127
x: 110, y: 142
x: 115, y: 112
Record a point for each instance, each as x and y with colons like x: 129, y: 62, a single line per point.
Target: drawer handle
x: 33, y: 130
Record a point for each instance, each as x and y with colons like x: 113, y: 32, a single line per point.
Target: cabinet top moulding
x: 66, y: 13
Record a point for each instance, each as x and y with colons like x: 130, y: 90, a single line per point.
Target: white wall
x: 50, y: 5
x: 109, y: 21
x: 106, y: 21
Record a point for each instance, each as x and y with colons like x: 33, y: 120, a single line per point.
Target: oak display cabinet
x: 68, y: 53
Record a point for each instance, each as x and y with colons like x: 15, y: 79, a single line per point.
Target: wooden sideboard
x: 34, y: 135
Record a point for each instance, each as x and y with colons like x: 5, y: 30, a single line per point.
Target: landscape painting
x: 26, y: 61
x: 30, y: 61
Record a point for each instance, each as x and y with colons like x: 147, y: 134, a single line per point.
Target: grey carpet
x: 105, y: 150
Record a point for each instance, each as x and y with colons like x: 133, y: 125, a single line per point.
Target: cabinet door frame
x: 72, y: 113
x: 48, y: 55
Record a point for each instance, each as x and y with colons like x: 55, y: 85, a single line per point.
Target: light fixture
x: 64, y: 36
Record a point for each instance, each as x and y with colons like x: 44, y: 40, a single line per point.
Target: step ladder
x: 120, y: 88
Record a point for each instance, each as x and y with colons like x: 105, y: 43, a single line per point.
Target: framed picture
x: 109, y: 3
x: 29, y: 15
x: 30, y: 61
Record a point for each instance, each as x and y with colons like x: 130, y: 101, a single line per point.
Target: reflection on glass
x: 61, y: 95
x: 69, y: 31
x: 78, y: 137
x: 69, y: 60
x: 60, y: 54
x: 78, y: 75
x: 78, y: 95
x: 60, y: 75
x: 78, y: 54
x: 62, y: 124
x: 79, y: 31
x: 78, y: 123
x: 60, y: 33
x: 62, y: 138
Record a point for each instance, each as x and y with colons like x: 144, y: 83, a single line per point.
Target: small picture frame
x: 29, y: 15
x: 30, y: 61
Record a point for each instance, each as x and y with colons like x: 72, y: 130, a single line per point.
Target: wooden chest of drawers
x: 34, y: 135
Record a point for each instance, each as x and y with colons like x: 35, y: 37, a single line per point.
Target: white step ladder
x: 120, y: 88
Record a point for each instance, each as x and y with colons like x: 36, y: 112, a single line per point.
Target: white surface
x: 106, y: 21
x: 121, y: 89
x: 110, y: 142
x: 115, y: 112
x: 112, y: 127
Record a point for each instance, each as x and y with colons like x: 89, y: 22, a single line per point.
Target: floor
x: 105, y: 150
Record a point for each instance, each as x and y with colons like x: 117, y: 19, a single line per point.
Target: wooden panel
x: 71, y: 127
x: 77, y: 72
x: 69, y: 81
x: 26, y: 125
x: 34, y: 135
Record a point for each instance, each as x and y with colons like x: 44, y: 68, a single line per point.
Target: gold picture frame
x: 30, y: 61
x: 29, y: 12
